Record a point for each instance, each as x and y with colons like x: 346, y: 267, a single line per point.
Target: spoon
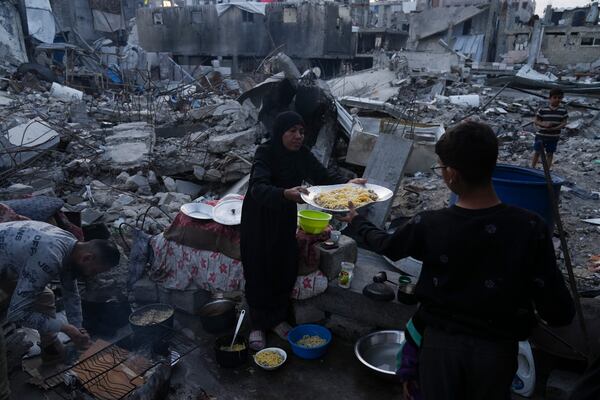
x: 237, y: 328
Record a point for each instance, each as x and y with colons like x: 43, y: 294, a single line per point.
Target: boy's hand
x: 351, y: 214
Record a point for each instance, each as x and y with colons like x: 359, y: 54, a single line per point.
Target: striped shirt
x: 555, y: 116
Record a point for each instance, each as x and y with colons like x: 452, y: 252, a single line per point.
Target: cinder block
x: 188, y: 301
x: 560, y: 385
x: 145, y: 291
x: 330, y: 261
x: 305, y: 313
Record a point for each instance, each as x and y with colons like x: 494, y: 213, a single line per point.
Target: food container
x: 277, y: 350
x: 309, y: 353
x: 152, y: 327
x: 406, y: 291
x: 218, y: 316
x: 152, y: 332
x: 313, y: 222
x: 230, y: 359
x: 378, y: 351
x: 346, y: 274
x: 335, y: 236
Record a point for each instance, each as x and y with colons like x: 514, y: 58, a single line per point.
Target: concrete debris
x: 130, y: 145
x: 122, y: 123
x: 26, y: 141
x: 224, y: 143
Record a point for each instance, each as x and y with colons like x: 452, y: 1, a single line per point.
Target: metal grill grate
x: 96, y: 373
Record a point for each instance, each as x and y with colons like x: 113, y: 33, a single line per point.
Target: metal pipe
x: 565, y: 249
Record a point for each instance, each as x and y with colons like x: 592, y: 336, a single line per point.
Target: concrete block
x: 130, y: 145
x: 188, y: 301
x: 306, y: 314
x: 330, y: 261
x: 227, y: 142
x: 560, y: 385
x: 145, y: 291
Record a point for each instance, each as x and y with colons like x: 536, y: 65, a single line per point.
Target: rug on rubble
x: 204, y: 235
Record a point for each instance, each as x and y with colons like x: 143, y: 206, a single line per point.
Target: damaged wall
x: 571, y: 46
x: 12, y: 45
x: 77, y: 15
x: 307, y: 30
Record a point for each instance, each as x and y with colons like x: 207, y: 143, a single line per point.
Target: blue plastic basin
x: 525, y: 188
x: 309, y: 329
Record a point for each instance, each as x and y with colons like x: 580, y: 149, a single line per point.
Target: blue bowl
x: 312, y: 330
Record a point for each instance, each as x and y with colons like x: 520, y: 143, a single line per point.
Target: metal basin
x: 378, y: 350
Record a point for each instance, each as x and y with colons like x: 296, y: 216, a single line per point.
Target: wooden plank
x: 386, y: 168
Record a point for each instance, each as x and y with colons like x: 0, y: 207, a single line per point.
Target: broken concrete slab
x: 190, y: 188
x: 224, y: 143
x: 130, y: 145
x: 26, y: 141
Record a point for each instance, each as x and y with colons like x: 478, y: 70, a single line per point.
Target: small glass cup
x: 335, y: 236
x: 346, y: 274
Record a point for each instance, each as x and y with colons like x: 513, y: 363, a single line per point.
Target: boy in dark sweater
x: 487, y: 267
x: 549, y: 122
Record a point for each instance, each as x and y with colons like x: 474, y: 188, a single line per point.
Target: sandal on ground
x: 282, y: 330
x: 257, y: 340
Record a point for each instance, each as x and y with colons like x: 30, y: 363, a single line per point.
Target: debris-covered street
x: 235, y: 200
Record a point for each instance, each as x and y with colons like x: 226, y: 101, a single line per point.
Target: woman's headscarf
x: 283, y: 122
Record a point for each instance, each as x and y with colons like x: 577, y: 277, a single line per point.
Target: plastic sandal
x: 282, y: 330
x: 257, y: 340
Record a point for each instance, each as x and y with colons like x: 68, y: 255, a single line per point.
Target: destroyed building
x: 133, y: 118
x: 569, y: 37
x: 242, y: 34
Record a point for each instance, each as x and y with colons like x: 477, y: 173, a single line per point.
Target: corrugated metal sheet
x: 470, y: 45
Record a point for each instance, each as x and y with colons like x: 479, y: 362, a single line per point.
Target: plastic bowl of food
x: 309, y: 341
x: 313, y: 222
x: 270, y: 358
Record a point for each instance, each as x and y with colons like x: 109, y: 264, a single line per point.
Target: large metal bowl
x: 378, y: 351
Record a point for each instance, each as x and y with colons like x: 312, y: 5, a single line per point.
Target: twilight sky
x: 540, y: 5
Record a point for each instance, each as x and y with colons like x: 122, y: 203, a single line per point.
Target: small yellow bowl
x: 313, y: 222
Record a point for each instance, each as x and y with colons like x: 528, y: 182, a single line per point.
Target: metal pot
x: 155, y: 328
x: 151, y: 334
x: 218, y: 316
x: 406, y: 291
x: 230, y: 359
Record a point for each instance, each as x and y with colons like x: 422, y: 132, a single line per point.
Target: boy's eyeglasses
x: 437, y: 169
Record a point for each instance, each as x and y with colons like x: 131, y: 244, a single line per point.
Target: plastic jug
x: 524, y: 381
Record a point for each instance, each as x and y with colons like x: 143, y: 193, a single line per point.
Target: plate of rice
x: 270, y: 358
x: 335, y: 198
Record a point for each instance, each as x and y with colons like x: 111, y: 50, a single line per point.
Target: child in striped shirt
x: 549, y: 122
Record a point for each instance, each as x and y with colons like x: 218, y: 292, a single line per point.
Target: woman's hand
x: 351, y: 214
x: 294, y: 194
x: 358, y: 181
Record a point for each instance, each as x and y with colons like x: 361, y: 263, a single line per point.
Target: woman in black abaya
x: 269, y: 221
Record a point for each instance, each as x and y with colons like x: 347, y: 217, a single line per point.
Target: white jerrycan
x: 524, y: 381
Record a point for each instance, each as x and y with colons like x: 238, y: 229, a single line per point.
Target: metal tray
x: 383, y: 194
